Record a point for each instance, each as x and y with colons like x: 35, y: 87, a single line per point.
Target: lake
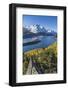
x: 45, y: 41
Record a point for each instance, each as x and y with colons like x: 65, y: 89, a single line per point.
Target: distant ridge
x: 36, y: 30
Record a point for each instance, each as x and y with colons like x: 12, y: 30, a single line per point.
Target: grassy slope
x: 43, y: 56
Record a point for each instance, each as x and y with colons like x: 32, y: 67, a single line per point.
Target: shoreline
x: 42, y: 49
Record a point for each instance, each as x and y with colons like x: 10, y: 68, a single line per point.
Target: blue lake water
x: 44, y: 42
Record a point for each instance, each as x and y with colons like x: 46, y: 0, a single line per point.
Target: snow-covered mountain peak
x: 36, y: 28
x: 33, y: 28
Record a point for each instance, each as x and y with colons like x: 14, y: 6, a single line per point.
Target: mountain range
x: 37, y: 30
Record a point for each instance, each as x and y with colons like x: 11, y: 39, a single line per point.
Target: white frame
x: 46, y: 77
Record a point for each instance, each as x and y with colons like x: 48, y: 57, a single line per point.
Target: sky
x: 49, y: 22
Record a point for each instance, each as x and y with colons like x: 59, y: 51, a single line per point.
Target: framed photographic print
x: 37, y: 44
